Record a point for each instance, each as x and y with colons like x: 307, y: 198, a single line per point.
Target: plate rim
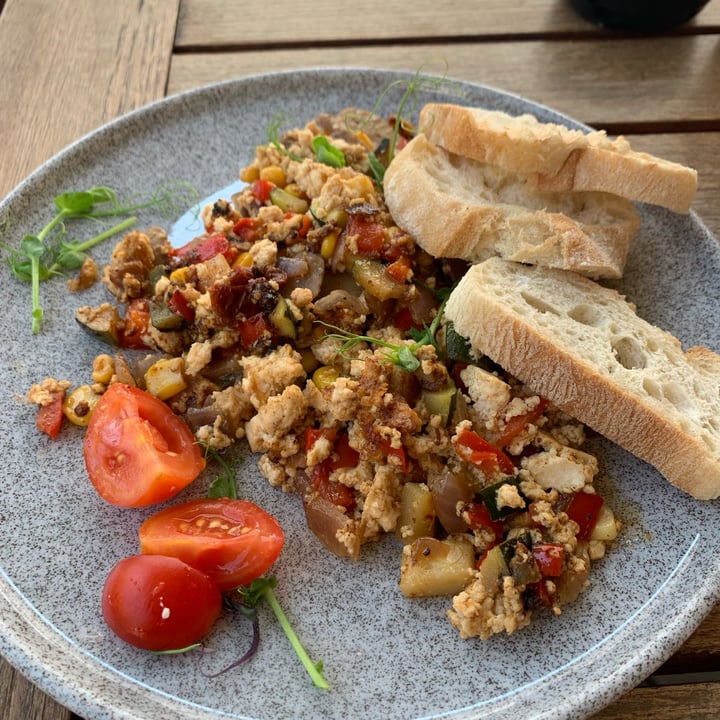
x: 19, y: 615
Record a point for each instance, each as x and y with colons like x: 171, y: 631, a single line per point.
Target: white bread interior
x: 584, y: 347
x: 557, y: 158
x: 458, y: 207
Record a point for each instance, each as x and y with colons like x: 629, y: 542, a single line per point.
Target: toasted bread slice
x: 584, y: 347
x: 557, y: 158
x: 457, y: 207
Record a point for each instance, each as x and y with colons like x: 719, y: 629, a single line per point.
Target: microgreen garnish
x: 408, y: 105
x: 262, y: 588
x: 404, y: 356
x: 273, y: 135
x: 327, y: 153
x: 49, y: 253
x: 225, y: 484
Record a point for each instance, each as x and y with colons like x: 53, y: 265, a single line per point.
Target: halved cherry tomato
x: 232, y: 541
x: 159, y: 603
x: 137, y: 451
x: 49, y: 417
x: 584, y: 509
x: 475, y: 449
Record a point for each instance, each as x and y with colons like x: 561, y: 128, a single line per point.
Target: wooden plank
x: 599, y: 82
x: 698, y: 701
x: 19, y: 698
x: 204, y: 23
x: 104, y: 58
x: 700, y: 151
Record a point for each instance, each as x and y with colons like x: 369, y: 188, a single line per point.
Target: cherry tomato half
x: 232, y: 541
x: 159, y: 603
x: 137, y: 451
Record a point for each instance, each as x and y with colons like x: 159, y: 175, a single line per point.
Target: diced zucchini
x: 102, y: 322
x: 165, y: 378
x: 433, y: 567
x: 457, y: 347
x: 489, y: 496
x: 282, y: 320
x: 163, y: 318
x: 441, y: 402
x: 417, y: 513
x: 288, y: 202
x: 371, y: 276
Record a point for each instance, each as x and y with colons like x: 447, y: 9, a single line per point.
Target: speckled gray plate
x: 384, y: 656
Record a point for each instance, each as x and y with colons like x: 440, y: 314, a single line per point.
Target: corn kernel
x: 324, y: 376
x: 179, y: 275
x: 294, y: 190
x: 308, y: 360
x: 79, y: 405
x: 327, y: 247
x: 103, y: 369
x: 244, y: 259
x: 274, y: 174
x: 249, y: 174
x: 165, y: 378
x: 337, y: 216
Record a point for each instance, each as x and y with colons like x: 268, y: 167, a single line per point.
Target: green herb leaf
x: 39, y: 257
x: 327, y: 153
x: 225, y: 484
x: 262, y: 588
x: 273, y: 135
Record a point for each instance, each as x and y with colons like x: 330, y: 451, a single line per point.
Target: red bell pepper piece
x: 515, y: 425
x: 179, y: 305
x: 203, y: 248
x: 549, y: 558
x: 475, y: 449
x: 252, y: 329
x: 261, y: 189
x: 479, y: 517
x: 584, y: 509
x: 400, y: 270
x: 136, y: 325
x: 370, y: 235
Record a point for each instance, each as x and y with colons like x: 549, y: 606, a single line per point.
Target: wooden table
x: 68, y: 66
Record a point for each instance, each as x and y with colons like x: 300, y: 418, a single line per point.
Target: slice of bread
x: 557, y: 158
x: 456, y: 207
x: 584, y: 347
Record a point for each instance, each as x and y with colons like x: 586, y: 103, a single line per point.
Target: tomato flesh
x: 137, y: 451
x: 159, y: 603
x: 49, y: 417
x: 232, y: 541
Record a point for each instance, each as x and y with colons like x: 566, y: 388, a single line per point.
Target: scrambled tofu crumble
x: 299, y: 321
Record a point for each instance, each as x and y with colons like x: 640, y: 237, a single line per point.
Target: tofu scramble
x: 305, y: 322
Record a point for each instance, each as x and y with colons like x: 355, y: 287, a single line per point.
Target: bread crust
x: 576, y: 343
x: 461, y: 208
x: 557, y: 158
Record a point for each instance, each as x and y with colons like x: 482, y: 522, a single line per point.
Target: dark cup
x: 645, y: 16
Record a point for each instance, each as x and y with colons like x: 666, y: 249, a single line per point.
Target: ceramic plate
x: 384, y: 656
